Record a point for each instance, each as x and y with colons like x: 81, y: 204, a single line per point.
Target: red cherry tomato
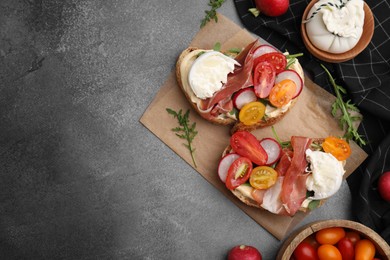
x: 277, y: 59
x: 238, y: 172
x: 328, y: 252
x: 364, y: 250
x: 353, y: 236
x: 312, y: 241
x: 346, y: 248
x: 330, y: 235
x: 304, y: 251
x: 246, y: 144
x: 263, y: 79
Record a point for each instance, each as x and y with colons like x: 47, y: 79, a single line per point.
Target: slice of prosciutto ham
x: 240, y: 78
x: 294, y: 184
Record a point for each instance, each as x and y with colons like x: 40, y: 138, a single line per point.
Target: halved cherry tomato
x: 353, y: 236
x: 251, y: 113
x: 328, y: 252
x: 330, y: 235
x: 277, y: 59
x: 246, y: 144
x: 263, y: 78
x: 238, y: 173
x: 282, y: 93
x: 338, y: 147
x: 263, y: 177
x: 304, y: 251
x: 346, y: 248
x: 364, y: 250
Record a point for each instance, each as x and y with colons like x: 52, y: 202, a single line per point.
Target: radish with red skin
x: 292, y: 75
x: 244, y: 252
x: 224, y: 165
x: 384, y: 186
x: 263, y: 49
x: 243, y: 97
x: 273, y: 150
x: 272, y: 8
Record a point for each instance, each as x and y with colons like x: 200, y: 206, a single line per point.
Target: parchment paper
x: 309, y: 117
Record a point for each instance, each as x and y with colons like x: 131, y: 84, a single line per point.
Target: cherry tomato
x: 238, y: 173
x: 330, y: 235
x: 346, y: 248
x: 328, y: 252
x: 339, y: 148
x: 263, y: 177
x: 252, y: 113
x: 282, y: 93
x: 312, y: 241
x: 246, y: 144
x: 304, y: 251
x: 277, y: 59
x: 364, y: 250
x: 263, y: 79
x: 353, y: 236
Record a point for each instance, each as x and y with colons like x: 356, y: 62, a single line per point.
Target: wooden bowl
x: 368, y: 31
x: 289, y: 245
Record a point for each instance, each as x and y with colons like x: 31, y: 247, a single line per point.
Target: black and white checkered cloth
x: 367, y: 80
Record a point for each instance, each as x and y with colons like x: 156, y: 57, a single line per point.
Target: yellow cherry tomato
x: 251, y: 113
x: 330, y: 235
x: 328, y: 252
x: 282, y: 93
x: 364, y: 250
x: 263, y: 177
x: 339, y: 148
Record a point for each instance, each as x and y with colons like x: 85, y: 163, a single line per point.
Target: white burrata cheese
x: 326, y: 174
x: 335, y: 26
x: 209, y: 72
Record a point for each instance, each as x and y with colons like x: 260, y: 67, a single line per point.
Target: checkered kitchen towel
x: 367, y: 80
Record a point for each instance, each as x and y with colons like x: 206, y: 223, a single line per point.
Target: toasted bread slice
x: 183, y: 65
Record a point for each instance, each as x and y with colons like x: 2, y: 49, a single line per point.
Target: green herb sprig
x: 291, y: 58
x: 212, y: 13
x: 185, y: 130
x: 346, y: 119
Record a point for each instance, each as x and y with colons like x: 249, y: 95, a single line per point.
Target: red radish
x: 272, y: 7
x: 292, y: 75
x: 272, y: 148
x: 263, y: 49
x: 244, y: 252
x: 224, y: 165
x: 384, y: 186
x: 243, y: 97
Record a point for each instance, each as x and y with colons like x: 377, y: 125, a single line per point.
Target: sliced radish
x: 243, y: 97
x: 272, y: 148
x: 292, y: 75
x: 224, y: 165
x: 263, y: 49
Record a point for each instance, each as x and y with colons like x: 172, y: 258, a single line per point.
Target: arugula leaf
x: 212, y: 13
x: 185, y: 130
x: 346, y: 120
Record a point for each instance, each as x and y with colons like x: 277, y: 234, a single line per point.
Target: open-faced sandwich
x: 251, y: 89
x: 283, y: 177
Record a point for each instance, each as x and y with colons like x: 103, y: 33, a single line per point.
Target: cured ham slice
x: 271, y: 198
x: 284, y: 162
x: 240, y: 78
x: 294, y: 184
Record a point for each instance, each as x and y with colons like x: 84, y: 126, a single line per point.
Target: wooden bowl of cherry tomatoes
x: 334, y: 239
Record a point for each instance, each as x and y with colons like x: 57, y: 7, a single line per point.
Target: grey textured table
x: 81, y: 178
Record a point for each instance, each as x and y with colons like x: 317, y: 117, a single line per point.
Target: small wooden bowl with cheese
x: 365, y: 38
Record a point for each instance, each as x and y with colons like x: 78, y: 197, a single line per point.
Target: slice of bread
x: 183, y: 65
